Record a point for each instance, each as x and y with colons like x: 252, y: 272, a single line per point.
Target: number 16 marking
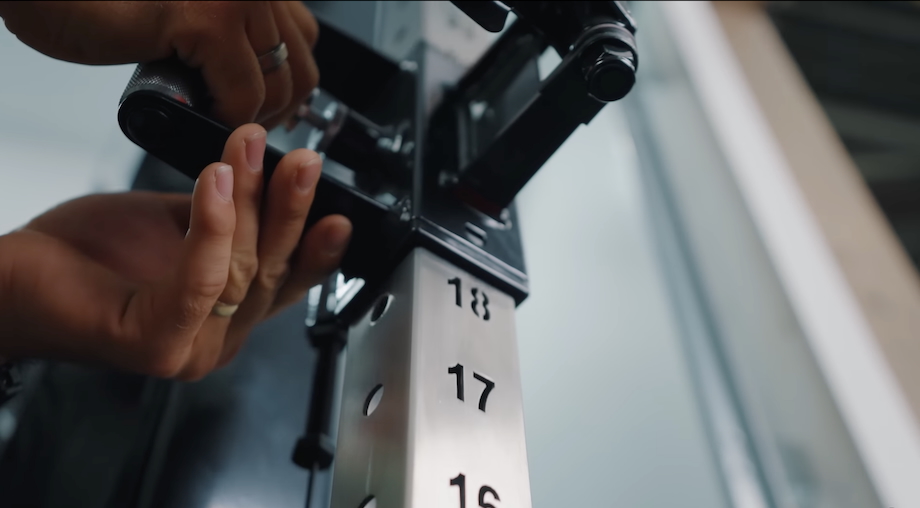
x: 460, y: 482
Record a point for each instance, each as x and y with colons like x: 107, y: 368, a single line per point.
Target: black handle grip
x: 165, y: 111
x: 171, y: 78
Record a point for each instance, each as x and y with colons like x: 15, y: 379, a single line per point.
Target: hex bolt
x: 610, y: 71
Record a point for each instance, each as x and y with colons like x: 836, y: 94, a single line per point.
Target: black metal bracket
x: 504, y: 123
x: 450, y: 184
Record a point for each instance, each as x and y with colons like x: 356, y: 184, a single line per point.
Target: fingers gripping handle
x: 165, y: 110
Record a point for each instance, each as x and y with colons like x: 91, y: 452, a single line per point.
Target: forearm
x: 94, y: 33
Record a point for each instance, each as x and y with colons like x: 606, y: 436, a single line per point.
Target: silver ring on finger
x: 273, y: 59
x: 222, y: 309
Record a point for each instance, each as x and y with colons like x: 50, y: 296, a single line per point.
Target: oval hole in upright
x: 369, y: 502
x: 373, y: 400
x: 476, y: 235
x: 381, y: 307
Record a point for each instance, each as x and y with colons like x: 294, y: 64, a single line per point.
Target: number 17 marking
x: 457, y: 370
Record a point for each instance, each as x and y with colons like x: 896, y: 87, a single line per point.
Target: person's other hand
x: 130, y: 280
x: 223, y: 39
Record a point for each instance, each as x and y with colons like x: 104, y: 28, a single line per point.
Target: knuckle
x: 223, y: 11
x: 291, y: 214
x: 241, y: 276
x: 246, y: 269
x: 223, y: 227
x: 271, y: 277
x: 218, y: 223
x: 193, y: 25
x: 234, y: 294
x: 293, y: 217
x: 188, y: 41
x: 192, y: 311
x: 205, y: 290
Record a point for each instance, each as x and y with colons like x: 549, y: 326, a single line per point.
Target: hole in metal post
x: 373, y: 400
x: 381, y: 307
x: 369, y: 502
x: 502, y: 223
x: 475, y: 234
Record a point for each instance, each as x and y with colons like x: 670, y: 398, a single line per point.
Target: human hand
x: 223, y: 39
x: 130, y: 280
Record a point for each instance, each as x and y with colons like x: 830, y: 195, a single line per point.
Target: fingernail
x: 224, y: 180
x: 337, y: 240
x: 255, y: 150
x: 307, y: 174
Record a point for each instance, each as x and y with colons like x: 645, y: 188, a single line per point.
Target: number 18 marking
x: 476, y: 303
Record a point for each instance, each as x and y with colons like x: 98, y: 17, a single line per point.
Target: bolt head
x: 611, y: 73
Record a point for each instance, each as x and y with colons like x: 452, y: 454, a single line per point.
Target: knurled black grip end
x: 172, y: 78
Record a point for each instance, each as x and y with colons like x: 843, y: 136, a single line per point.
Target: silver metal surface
x: 421, y: 444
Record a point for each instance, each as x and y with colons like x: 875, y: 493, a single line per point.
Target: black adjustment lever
x: 508, y: 121
x: 489, y: 15
x: 165, y: 109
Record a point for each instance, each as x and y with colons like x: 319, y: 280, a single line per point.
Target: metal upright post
x: 431, y: 412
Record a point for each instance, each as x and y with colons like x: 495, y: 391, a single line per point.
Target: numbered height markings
x: 479, y: 306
